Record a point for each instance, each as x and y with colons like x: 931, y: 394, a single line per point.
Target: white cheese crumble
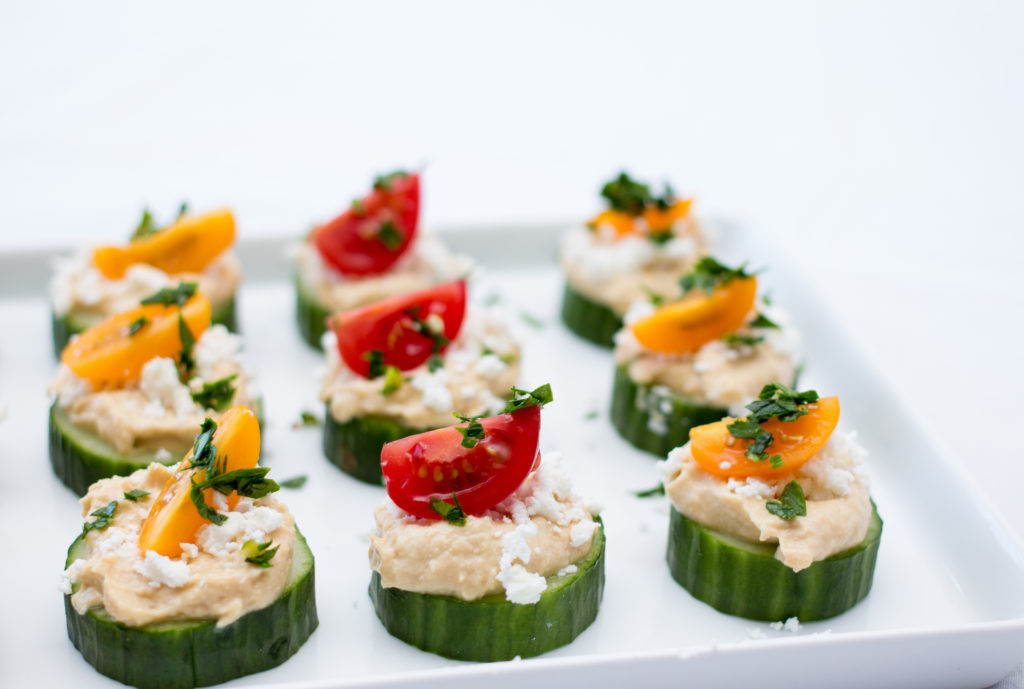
x: 163, y: 455
x: 751, y: 487
x: 70, y: 576
x: 568, y: 569
x: 252, y: 524
x: 191, y: 550
x: 436, y: 394
x: 790, y: 625
x: 166, y: 394
x: 599, y: 261
x: 161, y: 570
x: 217, y: 344
x: 490, y: 366
x: 521, y: 585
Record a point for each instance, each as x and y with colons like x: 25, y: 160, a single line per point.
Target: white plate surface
x: 947, y: 607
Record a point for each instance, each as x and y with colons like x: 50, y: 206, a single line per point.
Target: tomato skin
x: 386, y: 325
x: 350, y: 242
x: 435, y: 464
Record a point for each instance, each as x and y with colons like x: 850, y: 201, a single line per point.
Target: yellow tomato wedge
x: 187, y: 246
x: 660, y: 220
x: 108, y: 356
x: 622, y: 223
x: 719, y: 453
x: 696, y: 319
x: 174, y: 518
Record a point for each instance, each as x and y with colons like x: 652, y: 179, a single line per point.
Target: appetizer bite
x: 483, y: 552
x: 771, y: 517
x: 133, y: 388
x: 405, y: 365
x: 189, y: 576
x: 683, y: 361
x: 639, y: 244
x: 97, y: 283
x: 370, y: 252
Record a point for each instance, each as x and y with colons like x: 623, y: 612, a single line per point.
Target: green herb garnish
x: 259, y: 554
x: 762, y: 321
x: 432, y: 327
x: 294, y: 483
x: 653, y: 296
x: 660, y: 237
x: 452, y: 514
x: 135, y: 494
x: 393, y: 380
x: 137, y: 325
x: 306, y: 418
x: 591, y: 415
x: 791, y: 503
x: 531, y: 320
x: 104, y: 517
x: 738, y: 339
x: 204, y: 452
x: 169, y: 296
x: 384, y: 182
x: 390, y: 236
x: 145, y: 227
x: 376, y: 359
x: 651, y: 492
x: 775, y: 401
x: 629, y: 196
x: 709, y: 274
x: 249, y: 483
x: 188, y: 341
x: 216, y: 395
x: 521, y: 399
x: 471, y: 434
x: 435, y: 362
x: 358, y: 207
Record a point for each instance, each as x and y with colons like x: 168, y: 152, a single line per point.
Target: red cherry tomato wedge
x: 435, y: 464
x: 390, y: 326
x: 376, y: 230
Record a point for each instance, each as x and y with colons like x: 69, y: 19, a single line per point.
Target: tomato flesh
x: 435, y: 464
x: 375, y: 231
x: 390, y: 326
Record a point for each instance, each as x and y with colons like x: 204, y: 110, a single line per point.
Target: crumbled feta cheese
x: 162, y: 570
x: 436, y: 394
x: 490, y: 366
x: 70, y: 576
x: 159, y: 382
x: 251, y: 525
x: 581, y: 532
x: 163, y: 455
x: 521, y: 585
x: 638, y: 310
x: 216, y: 345
x: 191, y: 550
x: 751, y: 487
x: 568, y: 569
x: 790, y: 625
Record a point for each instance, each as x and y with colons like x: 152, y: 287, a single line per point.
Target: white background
x: 880, y: 145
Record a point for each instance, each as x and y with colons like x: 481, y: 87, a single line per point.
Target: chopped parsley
x: 169, y: 296
x: 660, y: 237
x: 775, y: 401
x: 104, y: 517
x: 137, y: 325
x: 294, y: 483
x: 432, y: 327
x: 145, y: 227
x: 762, y: 321
x: 471, y: 434
x: 451, y: 513
x: 742, y: 340
x: 216, y: 395
x: 653, y: 297
x: 384, y: 182
x: 358, y: 207
x: 435, y: 362
x: 259, y: 554
x: 250, y: 483
x: 531, y: 320
x: 521, y: 399
x: 204, y: 453
x: 390, y: 236
x: 376, y: 359
x: 393, y: 380
x: 506, y: 358
x: 135, y: 494
x: 630, y: 196
x: 790, y: 504
x: 188, y: 341
x: 591, y: 415
x: 709, y: 274
x: 651, y: 492
x: 306, y: 418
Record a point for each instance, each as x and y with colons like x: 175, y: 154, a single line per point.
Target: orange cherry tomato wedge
x: 623, y: 223
x: 696, y: 319
x: 719, y: 453
x: 174, y: 518
x: 108, y: 356
x: 187, y: 246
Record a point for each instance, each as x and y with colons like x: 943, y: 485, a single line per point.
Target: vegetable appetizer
x: 771, y: 516
x: 639, y: 244
x: 194, y: 575
x: 692, y: 354
x: 97, y: 283
x: 405, y: 365
x: 370, y: 252
x: 132, y: 389
x: 483, y: 551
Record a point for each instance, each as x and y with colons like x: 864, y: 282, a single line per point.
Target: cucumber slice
x: 80, y: 457
x: 71, y: 323
x: 181, y: 655
x: 354, y: 446
x: 492, y: 628
x: 589, y: 319
x: 654, y: 418
x: 310, y: 314
x: 743, y: 578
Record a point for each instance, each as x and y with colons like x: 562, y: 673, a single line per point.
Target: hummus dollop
x: 426, y: 263
x: 157, y: 411
x: 79, y: 287
x: 480, y: 367
x: 211, y: 579
x: 834, y: 483
x: 718, y: 374
x: 539, y: 531
x: 616, y: 272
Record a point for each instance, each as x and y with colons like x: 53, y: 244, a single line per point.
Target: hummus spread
x: 717, y: 374
x: 539, y: 531
x: 157, y: 411
x: 210, y: 580
x: 427, y: 262
x: 834, y: 484
x: 471, y: 382
x: 79, y: 287
x: 616, y: 272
